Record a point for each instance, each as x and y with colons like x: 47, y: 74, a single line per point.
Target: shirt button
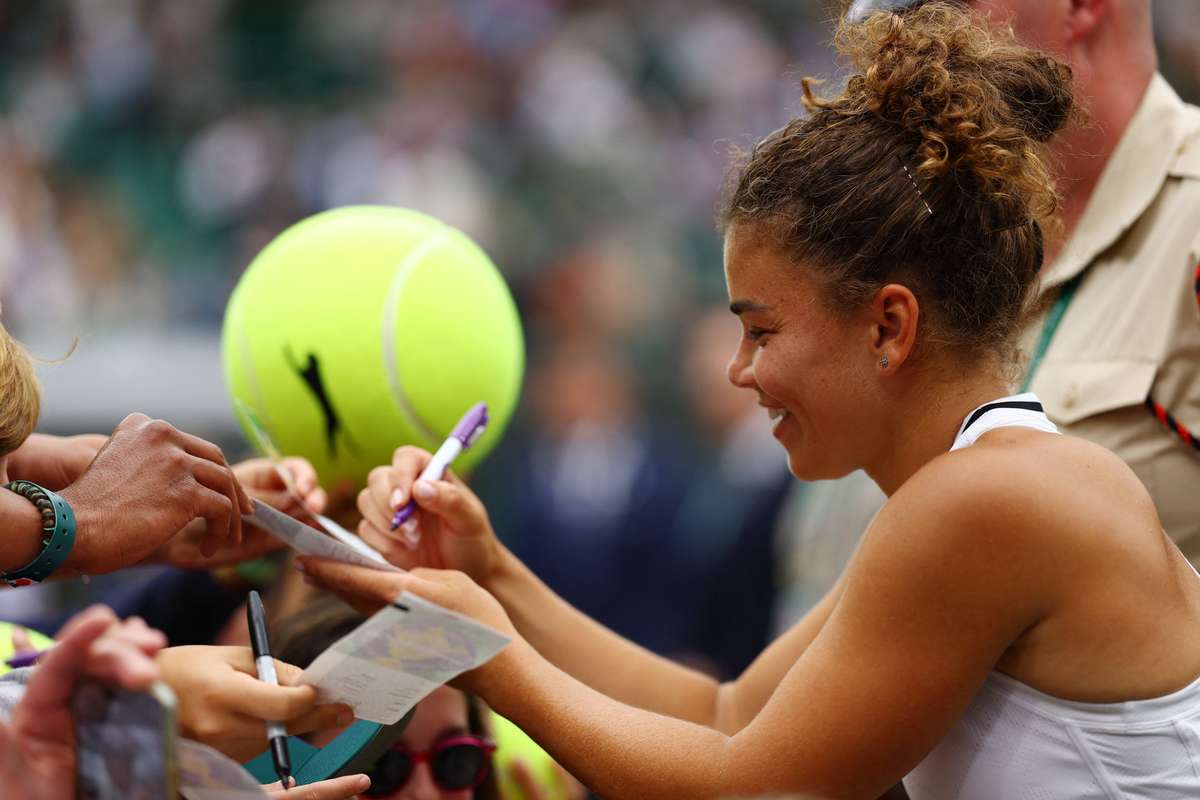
x: 1071, y: 397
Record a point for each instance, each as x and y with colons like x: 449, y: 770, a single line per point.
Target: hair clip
x: 913, y: 181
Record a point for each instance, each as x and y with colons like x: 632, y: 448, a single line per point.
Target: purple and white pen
x: 25, y: 658
x: 465, y: 433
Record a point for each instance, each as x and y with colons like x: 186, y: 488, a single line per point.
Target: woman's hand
x: 261, y: 479
x: 344, y: 788
x: 369, y: 589
x: 37, y: 748
x: 454, y: 526
x: 223, y: 704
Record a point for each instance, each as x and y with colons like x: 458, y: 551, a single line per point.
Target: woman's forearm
x: 618, y: 751
x: 595, y: 655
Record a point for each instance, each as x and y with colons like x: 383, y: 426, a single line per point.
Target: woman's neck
x: 924, y: 422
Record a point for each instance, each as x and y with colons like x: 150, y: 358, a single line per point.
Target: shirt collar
x: 1130, y: 180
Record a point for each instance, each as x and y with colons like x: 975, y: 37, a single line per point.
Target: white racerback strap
x: 1019, y: 410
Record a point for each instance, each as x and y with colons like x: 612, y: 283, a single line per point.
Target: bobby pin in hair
x: 913, y: 181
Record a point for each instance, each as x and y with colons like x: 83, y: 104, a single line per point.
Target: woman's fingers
x: 373, y: 501
x: 54, y: 681
x: 518, y: 770
x: 318, y: 718
x: 124, y: 654
x: 409, y: 461
x: 303, y: 474
x: 20, y: 639
x: 247, y: 695
x: 446, y: 499
x: 316, y: 500
x: 394, y: 550
x: 292, y: 701
x: 367, y: 583
x: 335, y: 789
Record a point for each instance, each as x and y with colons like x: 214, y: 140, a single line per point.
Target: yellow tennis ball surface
x: 36, y: 639
x: 368, y: 327
x: 513, y: 744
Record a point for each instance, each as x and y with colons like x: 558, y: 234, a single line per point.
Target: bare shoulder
x: 1062, y: 482
x: 1009, y: 513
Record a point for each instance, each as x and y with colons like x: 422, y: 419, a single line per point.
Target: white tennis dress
x: 1016, y: 743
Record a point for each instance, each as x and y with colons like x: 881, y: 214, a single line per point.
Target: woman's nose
x: 740, y: 369
x: 421, y: 786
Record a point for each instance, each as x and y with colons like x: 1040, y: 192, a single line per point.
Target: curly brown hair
x: 928, y: 169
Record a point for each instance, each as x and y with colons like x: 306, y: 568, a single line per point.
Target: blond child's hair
x: 20, y: 395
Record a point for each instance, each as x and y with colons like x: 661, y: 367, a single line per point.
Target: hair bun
x: 974, y: 100
x: 1041, y: 106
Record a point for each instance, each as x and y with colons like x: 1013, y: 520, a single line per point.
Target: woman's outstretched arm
x: 612, y: 665
x: 932, y: 600
x: 457, y: 534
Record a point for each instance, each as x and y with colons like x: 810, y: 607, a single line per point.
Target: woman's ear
x: 894, y: 313
x: 4, y: 468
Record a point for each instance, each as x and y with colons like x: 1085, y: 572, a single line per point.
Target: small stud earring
x: 883, y: 362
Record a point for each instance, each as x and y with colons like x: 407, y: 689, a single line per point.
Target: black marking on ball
x: 310, y: 373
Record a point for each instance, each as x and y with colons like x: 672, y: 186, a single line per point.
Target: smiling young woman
x: 1014, y: 624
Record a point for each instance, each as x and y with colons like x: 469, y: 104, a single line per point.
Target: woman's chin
x: 804, y: 467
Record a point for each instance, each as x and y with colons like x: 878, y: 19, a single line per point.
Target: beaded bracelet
x: 58, y: 534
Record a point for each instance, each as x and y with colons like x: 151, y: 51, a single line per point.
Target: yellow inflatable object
x: 6, y: 647
x: 367, y: 327
x: 512, y: 744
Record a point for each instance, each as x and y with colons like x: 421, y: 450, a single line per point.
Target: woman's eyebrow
x: 740, y: 307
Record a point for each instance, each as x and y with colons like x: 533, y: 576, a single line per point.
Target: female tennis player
x: 1014, y: 624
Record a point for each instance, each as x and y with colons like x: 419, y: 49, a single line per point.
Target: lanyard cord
x: 1160, y: 411
x: 1065, y: 295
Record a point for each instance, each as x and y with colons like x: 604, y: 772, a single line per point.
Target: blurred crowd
x: 150, y: 149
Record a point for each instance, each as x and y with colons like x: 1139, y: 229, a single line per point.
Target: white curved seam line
x: 392, y: 301
x: 252, y: 376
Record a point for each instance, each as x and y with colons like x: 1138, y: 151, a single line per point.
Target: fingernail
x: 364, y: 783
x: 397, y: 498
x: 299, y: 566
x: 424, y: 490
x: 409, y: 531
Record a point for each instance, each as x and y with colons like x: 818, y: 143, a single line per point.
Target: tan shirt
x: 1132, y: 329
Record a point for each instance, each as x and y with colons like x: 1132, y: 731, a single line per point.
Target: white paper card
x: 266, y: 446
x: 308, y: 541
x: 206, y: 774
x: 393, y: 660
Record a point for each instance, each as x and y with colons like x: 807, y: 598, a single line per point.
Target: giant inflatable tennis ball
x: 364, y: 328
x: 512, y: 745
x: 36, y: 639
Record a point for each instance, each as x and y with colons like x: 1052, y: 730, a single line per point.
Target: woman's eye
x: 756, y: 334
